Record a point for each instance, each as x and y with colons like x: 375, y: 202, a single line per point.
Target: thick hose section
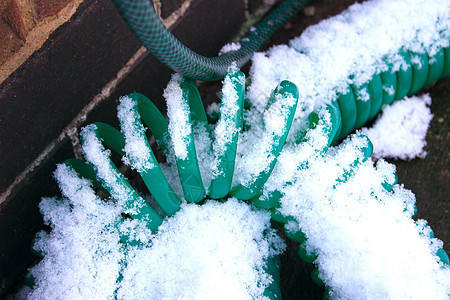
x: 145, y: 23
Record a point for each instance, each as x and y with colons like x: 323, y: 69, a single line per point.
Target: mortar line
x: 177, y: 14
x: 74, y: 138
x: 158, y: 7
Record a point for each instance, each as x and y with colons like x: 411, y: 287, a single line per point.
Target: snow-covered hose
x: 131, y: 143
x: 298, y: 236
x: 419, y: 71
x: 137, y: 110
x: 348, y: 113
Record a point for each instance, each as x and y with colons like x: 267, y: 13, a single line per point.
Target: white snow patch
x: 97, y: 155
x: 229, y: 47
x: 255, y: 147
x: 400, y: 130
x: 179, y: 120
x: 225, y: 130
x: 136, y: 147
x: 83, y: 253
x: 180, y: 264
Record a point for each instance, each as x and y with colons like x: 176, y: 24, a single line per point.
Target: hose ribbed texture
x: 145, y: 23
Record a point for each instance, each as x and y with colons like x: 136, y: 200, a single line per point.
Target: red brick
x: 11, y: 15
x: 46, y: 8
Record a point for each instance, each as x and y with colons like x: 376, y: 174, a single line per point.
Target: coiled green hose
x: 105, y: 176
x: 145, y: 23
x: 348, y: 114
x: 143, y: 111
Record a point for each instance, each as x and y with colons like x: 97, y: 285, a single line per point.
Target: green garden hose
x: 101, y: 171
x: 145, y: 23
x: 346, y: 114
x: 137, y: 111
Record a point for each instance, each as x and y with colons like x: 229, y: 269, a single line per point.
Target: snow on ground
x: 400, y: 130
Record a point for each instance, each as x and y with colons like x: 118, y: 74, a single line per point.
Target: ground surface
x: 428, y: 178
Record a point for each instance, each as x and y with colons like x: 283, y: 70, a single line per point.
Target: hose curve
x: 149, y: 29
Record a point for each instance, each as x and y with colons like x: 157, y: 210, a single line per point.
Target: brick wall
x: 63, y: 63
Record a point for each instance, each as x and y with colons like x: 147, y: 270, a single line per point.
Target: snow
x: 225, y: 130
x: 349, y: 49
x: 255, y: 146
x: 99, y: 157
x: 180, y: 264
x: 136, y: 147
x: 84, y: 256
x: 179, y: 120
x: 400, y: 131
x: 82, y: 252
x: 352, y: 223
x: 229, y: 47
